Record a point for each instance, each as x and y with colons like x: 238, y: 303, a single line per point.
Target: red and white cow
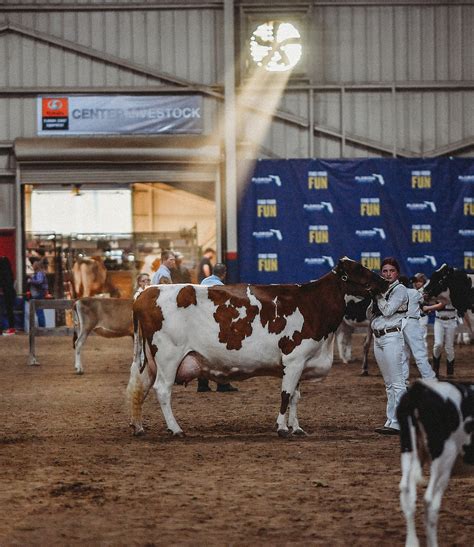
x: 107, y: 317
x: 234, y: 332
x: 436, y: 425
x: 90, y: 278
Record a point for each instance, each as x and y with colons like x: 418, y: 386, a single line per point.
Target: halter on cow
x: 234, y: 332
x: 459, y: 284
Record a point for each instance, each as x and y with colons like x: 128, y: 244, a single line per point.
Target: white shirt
x: 414, y: 299
x: 393, y: 306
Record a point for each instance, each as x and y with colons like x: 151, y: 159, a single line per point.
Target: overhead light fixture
x: 76, y: 190
x: 276, y: 46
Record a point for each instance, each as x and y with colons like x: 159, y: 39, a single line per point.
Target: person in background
x: 413, y: 335
x: 387, y: 314
x: 446, y: 322
x: 7, y: 286
x: 142, y: 282
x: 217, y: 278
x: 205, y: 266
x: 163, y: 273
x: 419, y: 281
x: 180, y: 274
x: 38, y: 284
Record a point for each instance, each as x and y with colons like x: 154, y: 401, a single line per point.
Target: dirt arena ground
x: 72, y: 473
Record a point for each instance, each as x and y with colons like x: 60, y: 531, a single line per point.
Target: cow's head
x: 359, y: 280
x: 439, y: 281
x: 452, y: 283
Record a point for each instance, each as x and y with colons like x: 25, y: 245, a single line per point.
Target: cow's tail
x: 138, y: 384
x: 407, y: 414
x: 76, y: 323
x: 411, y: 435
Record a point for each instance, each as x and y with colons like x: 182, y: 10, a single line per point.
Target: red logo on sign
x: 55, y: 107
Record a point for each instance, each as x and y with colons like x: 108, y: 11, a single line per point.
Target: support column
x: 20, y: 259
x: 230, y: 144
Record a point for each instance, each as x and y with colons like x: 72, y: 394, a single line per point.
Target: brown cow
x: 108, y: 317
x: 90, y: 278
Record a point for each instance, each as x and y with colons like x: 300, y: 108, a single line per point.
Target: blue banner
x: 298, y: 217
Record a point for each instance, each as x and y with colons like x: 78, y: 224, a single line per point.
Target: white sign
x: 112, y: 114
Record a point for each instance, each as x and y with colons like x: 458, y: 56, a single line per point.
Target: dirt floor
x: 71, y: 473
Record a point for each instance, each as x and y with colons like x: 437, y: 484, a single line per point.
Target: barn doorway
x: 124, y: 226
x: 119, y: 199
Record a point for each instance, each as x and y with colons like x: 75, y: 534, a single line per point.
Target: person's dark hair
x: 392, y: 261
x: 34, y: 259
x: 403, y: 279
x: 209, y: 250
x: 219, y: 269
x: 166, y: 254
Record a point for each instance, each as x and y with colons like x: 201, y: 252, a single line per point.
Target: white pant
x: 388, y: 351
x: 423, y: 322
x: 444, y: 332
x: 413, y: 334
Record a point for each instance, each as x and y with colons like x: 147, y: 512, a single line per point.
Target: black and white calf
x: 355, y: 317
x: 436, y: 425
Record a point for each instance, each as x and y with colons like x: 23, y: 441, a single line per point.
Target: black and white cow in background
x: 453, y: 284
x: 355, y: 317
x: 436, y: 425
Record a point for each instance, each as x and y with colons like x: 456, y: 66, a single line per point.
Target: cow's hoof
x: 177, y: 433
x: 283, y: 433
x: 138, y: 431
x: 79, y: 372
x: 364, y: 373
x: 299, y: 432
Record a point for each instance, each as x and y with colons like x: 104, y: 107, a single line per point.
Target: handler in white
x: 445, y: 325
x: 387, y: 317
x: 419, y: 282
x: 413, y: 334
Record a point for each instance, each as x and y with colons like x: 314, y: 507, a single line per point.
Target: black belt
x: 446, y: 318
x: 382, y: 332
x: 413, y: 318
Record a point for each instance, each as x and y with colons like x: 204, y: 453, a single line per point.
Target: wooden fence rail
x: 44, y: 331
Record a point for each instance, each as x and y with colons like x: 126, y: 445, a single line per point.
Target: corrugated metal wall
x: 380, y: 79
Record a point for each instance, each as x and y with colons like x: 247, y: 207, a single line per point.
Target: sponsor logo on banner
x: 369, y: 207
x: 421, y: 233
x: 318, y: 233
x: 422, y: 206
x: 54, y: 113
x: 322, y: 206
x: 267, y: 262
x: 372, y: 232
x: 371, y: 260
x: 466, y: 178
x: 425, y: 259
x: 468, y: 260
x: 320, y: 260
x: 266, y: 208
x: 466, y: 233
x: 266, y: 234
x: 421, y: 179
x: 317, y: 180
x: 369, y: 179
x: 269, y: 179
x: 468, y: 207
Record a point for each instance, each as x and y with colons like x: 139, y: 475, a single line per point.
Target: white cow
x: 436, y: 425
x: 234, y: 332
